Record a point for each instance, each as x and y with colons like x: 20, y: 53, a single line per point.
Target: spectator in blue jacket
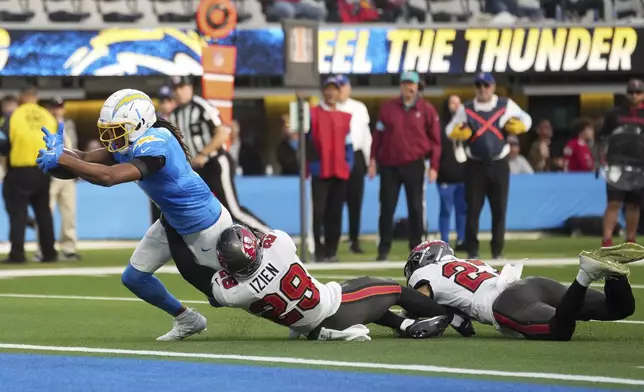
x: 451, y: 179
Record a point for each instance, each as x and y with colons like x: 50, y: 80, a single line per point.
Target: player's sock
x: 406, y: 324
x: 607, y: 242
x: 583, y: 278
x: 619, y: 296
x: 418, y: 304
x: 562, y: 325
x: 391, y: 320
x: 150, y: 289
x: 632, y: 239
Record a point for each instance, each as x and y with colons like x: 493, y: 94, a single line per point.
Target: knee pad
x: 132, y: 277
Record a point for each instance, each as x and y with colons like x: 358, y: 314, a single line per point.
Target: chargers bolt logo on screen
x: 5, y: 41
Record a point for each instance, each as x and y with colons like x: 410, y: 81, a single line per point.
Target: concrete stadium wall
x: 536, y: 202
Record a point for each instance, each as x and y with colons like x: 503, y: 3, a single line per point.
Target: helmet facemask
x: 116, y: 136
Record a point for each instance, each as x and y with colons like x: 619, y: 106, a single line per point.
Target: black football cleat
x: 423, y: 329
x: 355, y: 248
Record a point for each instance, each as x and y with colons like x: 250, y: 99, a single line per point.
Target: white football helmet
x: 125, y: 116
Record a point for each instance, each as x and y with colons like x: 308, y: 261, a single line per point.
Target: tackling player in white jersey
x: 536, y: 307
x: 266, y: 278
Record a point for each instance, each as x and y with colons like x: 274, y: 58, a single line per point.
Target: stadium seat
x: 188, y: 15
x: 75, y: 14
x: 132, y: 16
x: 461, y: 13
x: 19, y: 14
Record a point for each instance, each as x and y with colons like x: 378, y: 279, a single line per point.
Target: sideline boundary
x: 326, y: 363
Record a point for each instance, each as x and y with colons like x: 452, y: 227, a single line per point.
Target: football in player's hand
x: 61, y: 173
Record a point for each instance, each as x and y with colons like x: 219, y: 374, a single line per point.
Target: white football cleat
x: 188, y: 323
x: 598, y: 267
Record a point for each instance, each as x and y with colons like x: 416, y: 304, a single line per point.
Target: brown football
x: 64, y: 174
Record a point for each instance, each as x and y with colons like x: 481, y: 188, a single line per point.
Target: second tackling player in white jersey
x: 534, y: 307
x: 467, y: 285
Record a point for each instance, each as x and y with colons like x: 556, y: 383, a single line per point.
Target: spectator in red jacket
x: 577, y: 154
x: 330, y: 158
x: 407, y: 134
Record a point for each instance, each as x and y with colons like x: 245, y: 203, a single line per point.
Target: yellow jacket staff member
x: 24, y: 183
x: 25, y: 136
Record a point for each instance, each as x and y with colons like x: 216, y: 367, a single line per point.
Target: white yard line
x: 348, y: 266
x: 325, y: 363
x: 86, y: 298
x: 134, y: 299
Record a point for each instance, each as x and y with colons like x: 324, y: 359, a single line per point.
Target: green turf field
x: 99, y: 312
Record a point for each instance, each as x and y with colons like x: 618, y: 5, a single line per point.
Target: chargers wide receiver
x: 535, y: 307
x: 140, y: 147
x: 266, y: 278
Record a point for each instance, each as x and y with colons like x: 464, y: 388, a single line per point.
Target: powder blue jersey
x: 183, y: 197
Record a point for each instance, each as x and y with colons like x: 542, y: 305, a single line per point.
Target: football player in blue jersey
x: 142, y: 148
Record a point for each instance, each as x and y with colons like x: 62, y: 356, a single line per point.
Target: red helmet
x: 238, y: 251
x: 426, y: 253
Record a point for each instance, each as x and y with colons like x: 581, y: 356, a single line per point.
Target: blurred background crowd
x: 258, y: 12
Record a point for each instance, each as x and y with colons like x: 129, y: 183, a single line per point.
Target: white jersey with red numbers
x: 467, y: 285
x: 281, y: 289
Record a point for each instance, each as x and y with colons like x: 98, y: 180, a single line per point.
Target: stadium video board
x: 344, y: 49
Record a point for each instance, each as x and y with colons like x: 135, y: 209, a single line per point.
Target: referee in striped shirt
x: 206, y: 137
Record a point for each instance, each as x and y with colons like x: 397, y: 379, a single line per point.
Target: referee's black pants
x: 491, y: 179
x: 25, y: 186
x: 219, y: 173
x: 155, y: 212
x: 328, y: 202
x: 355, y: 194
x: 412, y: 176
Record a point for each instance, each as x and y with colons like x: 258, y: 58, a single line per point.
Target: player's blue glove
x: 51, y: 140
x: 48, y: 159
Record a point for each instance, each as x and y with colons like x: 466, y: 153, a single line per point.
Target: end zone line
x: 133, y: 299
x: 337, y: 364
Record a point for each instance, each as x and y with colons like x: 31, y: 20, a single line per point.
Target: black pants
x: 355, y: 194
x: 199, y: 276
x: 155, y: 212
x: 412, y: 176
x: 634, y: 197
x: 542, y: 309
x: 328, y: 200
x: 25, y: 186
x: 367, y: 300
x: 219, y: 174
x: 491, y: 180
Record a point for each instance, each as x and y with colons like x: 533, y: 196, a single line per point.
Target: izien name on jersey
x: 265, y: 276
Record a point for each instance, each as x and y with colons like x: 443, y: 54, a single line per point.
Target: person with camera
x: 623, y: 119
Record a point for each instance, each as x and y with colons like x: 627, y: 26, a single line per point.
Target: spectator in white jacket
x: 361, y: 139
